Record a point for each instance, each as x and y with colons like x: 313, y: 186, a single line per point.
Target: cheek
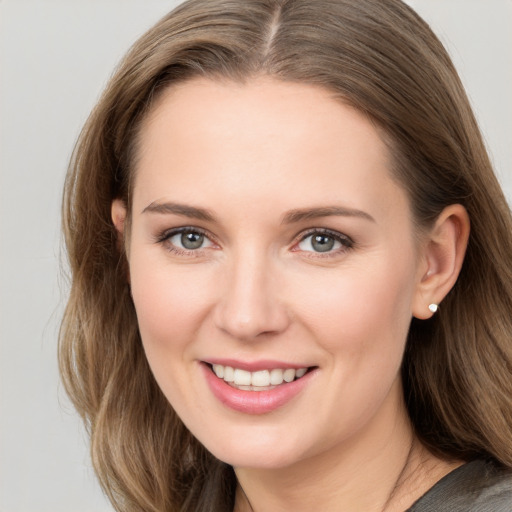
x: 360, y: 318
x: 170, y: 303
x: 360, y: 308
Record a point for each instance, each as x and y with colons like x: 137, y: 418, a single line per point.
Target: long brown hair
x: 376, y: 55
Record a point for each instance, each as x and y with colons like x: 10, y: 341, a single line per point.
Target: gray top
x: 478, y: 486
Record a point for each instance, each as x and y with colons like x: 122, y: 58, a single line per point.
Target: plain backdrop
x: 55, y: 58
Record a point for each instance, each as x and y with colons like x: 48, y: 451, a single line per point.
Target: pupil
x: 322, y: 243
x: 192, y: 240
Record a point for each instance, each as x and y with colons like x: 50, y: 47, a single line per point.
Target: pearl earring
x: 433, y: 307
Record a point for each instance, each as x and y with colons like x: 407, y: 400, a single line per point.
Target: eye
x: 321, y: 241
x: 185, y: 240
x: 190, y: 240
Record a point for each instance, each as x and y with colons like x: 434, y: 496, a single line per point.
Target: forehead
x: 260, y: 139
x: 264, y: 107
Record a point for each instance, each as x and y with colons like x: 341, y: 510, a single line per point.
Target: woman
x: 263, y: 214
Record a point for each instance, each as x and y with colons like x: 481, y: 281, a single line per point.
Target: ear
x: 443, y: 254
x: 118, y: 213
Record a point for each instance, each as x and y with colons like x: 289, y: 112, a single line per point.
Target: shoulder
x: 478, y: 486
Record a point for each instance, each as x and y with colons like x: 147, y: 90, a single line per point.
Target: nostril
x: 248, y: 311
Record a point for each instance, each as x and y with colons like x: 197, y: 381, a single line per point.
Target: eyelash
x: 165, y: 237
x: 345, y: 241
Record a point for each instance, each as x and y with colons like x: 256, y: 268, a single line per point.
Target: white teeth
x: 300, y: 372
x: 245, y: 388
x: 289, y: 375
x: 245, y: 380
x: 219, y: 370
x: 229, y: 374
x: 261, y: 378
x: 255, y: 388
x: 276, y: 377
x: 242, y: 377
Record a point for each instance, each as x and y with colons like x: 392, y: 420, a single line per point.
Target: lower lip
x: 254, y: 402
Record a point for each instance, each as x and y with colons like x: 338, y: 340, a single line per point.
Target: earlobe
x: 118, y: 213
x: 444, y: 252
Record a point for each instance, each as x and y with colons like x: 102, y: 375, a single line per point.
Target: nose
x: 250, y: 305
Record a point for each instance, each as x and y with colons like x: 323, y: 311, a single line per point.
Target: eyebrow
x: 324, y: 211
x: 290, y: 217
x: 180, y: 209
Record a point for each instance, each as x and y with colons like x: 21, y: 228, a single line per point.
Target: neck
x: 384, y: 470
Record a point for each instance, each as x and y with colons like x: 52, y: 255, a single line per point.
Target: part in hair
x: 379, y: 57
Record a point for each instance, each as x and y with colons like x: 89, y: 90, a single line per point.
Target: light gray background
x: 55, y: 57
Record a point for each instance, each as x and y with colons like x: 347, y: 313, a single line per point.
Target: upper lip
x: 254, y: 366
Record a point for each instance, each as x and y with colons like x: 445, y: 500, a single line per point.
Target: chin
x: 257, y: 452
x: 261, y: 460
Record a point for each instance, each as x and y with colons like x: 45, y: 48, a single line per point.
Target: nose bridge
x: 250, y: 304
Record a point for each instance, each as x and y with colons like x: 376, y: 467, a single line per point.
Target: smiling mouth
x: 262, y: 380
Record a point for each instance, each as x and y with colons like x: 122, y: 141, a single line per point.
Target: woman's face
x: 268, y: 240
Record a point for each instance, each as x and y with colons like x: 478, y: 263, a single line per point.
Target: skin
x: 257, y: 289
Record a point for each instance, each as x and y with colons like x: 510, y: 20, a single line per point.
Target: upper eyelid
x: 326, y: 231
x: 168, y: 233
x: 164, y: 239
